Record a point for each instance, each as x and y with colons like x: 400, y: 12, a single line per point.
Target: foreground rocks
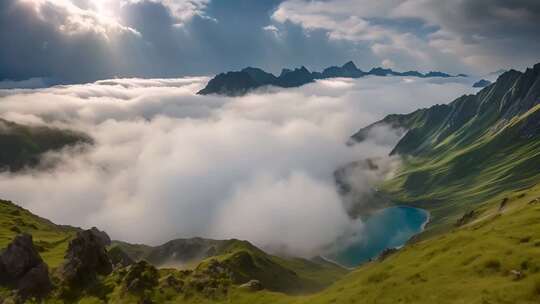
x: 22, y: 267
x: 252, y: 285
x: 140, y: 276
x: 466, y: 218
x: 86, y: 258
x: 386, y: 253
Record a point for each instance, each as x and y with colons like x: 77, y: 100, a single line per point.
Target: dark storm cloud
x: 69, y: 41
x: 469, y: 35
x: 483, y: 31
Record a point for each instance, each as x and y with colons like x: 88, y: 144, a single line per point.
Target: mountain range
x: 240, y: 82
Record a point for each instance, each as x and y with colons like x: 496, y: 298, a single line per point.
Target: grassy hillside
x: 289, y: 275
x: 460, y: 154
x: 214, y: 276
x: 51, y: 240
x: 493, y: 258
x: 246, y: 262
x: 22, y: 146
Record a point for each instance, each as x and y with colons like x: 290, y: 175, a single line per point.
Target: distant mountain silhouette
x: 292, y: 79
x: 348, y: 70
x: 482, y: 83
x: 241, y: 82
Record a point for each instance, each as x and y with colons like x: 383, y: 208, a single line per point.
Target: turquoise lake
x: 388, y: 228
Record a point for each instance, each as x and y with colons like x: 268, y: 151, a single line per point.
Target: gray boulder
x: 22, y: 267
x: 102, y: 236
x: 35, y: 282
x: 20, y: 256
x: 85, y: 258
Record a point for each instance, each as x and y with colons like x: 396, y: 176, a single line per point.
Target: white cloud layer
x: 168, y: 163
x: 71, y: 19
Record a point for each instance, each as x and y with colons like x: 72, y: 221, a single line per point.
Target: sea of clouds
x: 167, y: 163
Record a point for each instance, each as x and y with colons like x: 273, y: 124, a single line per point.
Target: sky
x: 167, y: 163
x: 74, y: 41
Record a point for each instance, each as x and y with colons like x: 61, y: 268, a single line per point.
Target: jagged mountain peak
x: 350, y: 66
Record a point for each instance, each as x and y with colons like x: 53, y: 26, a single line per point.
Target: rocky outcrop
x: 140, y: 276
x: 119, y: 258
x: 102, y: 236
x: 386, y: 253
x: 252, y: 285
x: 503, y: 204
x: 22, y: 267
x: 86, y: 257
x: 466, y: 218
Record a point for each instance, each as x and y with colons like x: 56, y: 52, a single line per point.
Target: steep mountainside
x: 241, y: 82
x: 467, y: 151
x: 23, y: 146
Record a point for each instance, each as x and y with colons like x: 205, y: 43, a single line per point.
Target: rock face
x: 22, y: 267
x: 35, y: 282
x: 119, y: 258
x: 86, y: 257
x: 230, y: 84
x: 101, y: 236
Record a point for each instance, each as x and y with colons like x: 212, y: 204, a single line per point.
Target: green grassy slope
x: 468, y: 151
x: 23, y: 146
x: 239, y: 262
x: 290, y: 274
x: 51, y: 240
x: 494, y: 258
